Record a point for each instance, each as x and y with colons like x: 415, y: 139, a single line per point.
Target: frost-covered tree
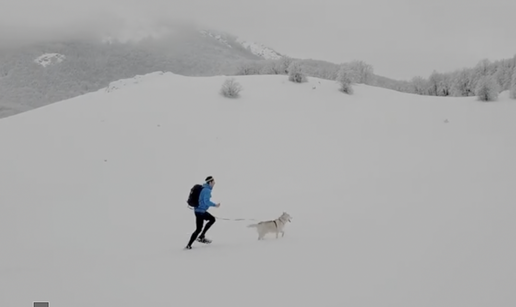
x: 363, y: 72
x: 445, y: 86
x: 248, y: 68
x: 346, y: 76
x: 284, y: 64
x: 503, y: 73
x: 270, y: 67
x: 433, y: 83
x: 461, y: 84
x: 295, y: 73
x: 319, y: 69
x: 487, y: 89
x: 482, y: 69
x: 513, y: 85
x: 438, y: 84
x: 419, y: 85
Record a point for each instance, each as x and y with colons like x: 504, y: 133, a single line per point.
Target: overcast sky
x: 400, y: 38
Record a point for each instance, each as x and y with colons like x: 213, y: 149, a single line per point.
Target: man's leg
x: 211, y: 220
x: 199, y: 221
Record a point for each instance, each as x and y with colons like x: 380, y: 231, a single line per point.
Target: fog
x: 27, y: 21
x: 400, y: 38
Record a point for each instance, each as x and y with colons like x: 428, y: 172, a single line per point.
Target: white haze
x: 400, y: 38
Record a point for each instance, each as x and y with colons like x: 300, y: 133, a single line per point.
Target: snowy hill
x: 397, y: 199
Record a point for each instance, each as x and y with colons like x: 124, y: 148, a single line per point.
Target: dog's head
x: 286, y: 216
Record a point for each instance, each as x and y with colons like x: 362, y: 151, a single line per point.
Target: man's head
x: 210, y: 180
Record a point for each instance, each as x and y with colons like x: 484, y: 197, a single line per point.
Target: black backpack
x: 193, y: 198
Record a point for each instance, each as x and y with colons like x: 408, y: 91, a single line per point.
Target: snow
x: 215, y: 36
x: 253, y: 47
x: 396, y: 199
x: 49, y: 58
x: 260, y: 49
x: 123, y: 83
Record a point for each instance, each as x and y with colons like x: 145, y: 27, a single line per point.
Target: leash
x: 236, y: 220
x: 228, y: 219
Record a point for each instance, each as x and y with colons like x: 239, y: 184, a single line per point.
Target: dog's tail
x: 252, y: 225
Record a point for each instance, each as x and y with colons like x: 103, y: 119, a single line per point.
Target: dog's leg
x: 282, y: 234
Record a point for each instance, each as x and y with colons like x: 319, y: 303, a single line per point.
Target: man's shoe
x: 204, y: 240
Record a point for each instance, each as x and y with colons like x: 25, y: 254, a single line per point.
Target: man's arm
x: 206, y: 195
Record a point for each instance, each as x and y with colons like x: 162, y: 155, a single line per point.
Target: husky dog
x: 274, y: 226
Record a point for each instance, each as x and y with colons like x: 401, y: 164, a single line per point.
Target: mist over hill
x: 34, y: 75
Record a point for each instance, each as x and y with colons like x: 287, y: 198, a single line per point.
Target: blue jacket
x: 204, y: 199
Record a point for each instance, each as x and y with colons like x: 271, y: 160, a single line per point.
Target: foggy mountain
x: 37, y: 74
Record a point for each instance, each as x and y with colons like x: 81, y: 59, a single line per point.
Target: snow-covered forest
x: 497, y: 76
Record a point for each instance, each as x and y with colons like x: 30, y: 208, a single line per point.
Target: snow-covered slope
x: 260, y: 49
x: 217, y: 37
x: 255, y: 48
x: 397, y: 199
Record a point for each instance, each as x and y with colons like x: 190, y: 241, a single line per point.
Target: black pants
x: 200, y: 217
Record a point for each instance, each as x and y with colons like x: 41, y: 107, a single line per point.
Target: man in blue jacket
x: 201, y: 213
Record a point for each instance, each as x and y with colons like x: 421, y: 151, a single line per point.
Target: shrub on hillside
x: 346, y: 77
x: 487, y: 89
x: 513, y: 85
x: 230, y: 88
x: 295, y: 74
